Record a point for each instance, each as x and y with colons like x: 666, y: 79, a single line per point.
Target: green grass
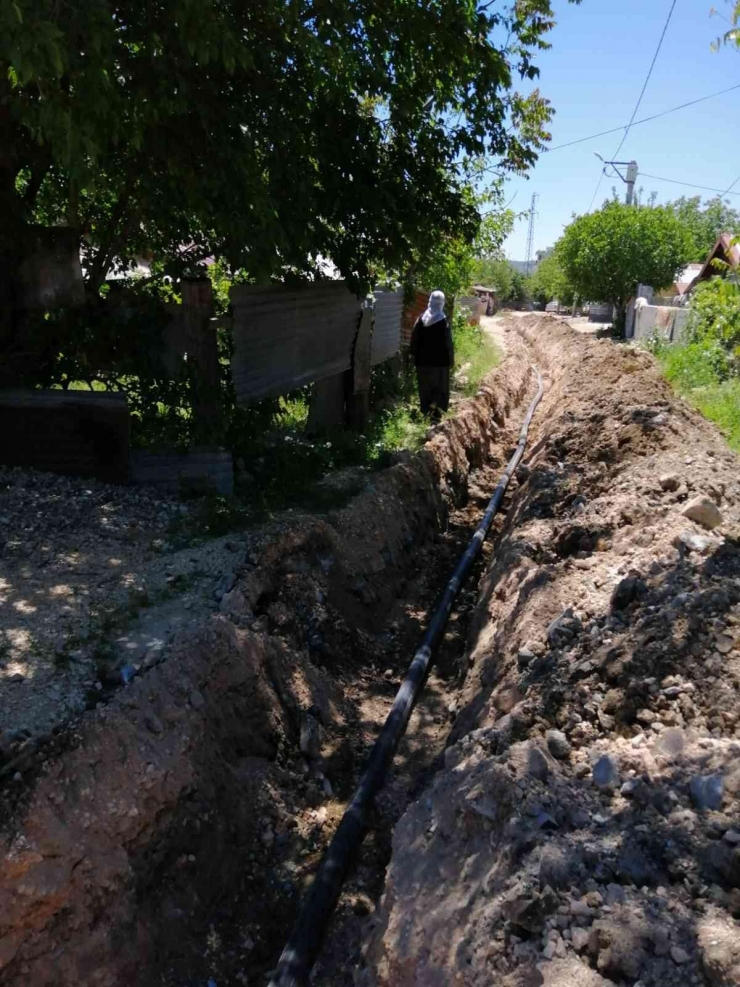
x: 476, y: 354
x: 700, y: 373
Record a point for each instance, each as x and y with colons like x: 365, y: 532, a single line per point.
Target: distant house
x: 685, y: 280
x: 487, y: 296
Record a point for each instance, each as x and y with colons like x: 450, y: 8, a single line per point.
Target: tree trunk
x: 620, y: 318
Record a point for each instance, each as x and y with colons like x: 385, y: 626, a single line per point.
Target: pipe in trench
x: 304, y: 944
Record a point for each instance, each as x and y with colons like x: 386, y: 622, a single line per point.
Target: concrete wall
x: 658, y: 320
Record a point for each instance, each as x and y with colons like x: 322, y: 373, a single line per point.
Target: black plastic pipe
x: 304, y: 944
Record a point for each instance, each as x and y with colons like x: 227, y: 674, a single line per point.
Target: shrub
x: 715, y: 313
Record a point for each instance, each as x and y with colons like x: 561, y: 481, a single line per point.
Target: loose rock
x: 704, y: 511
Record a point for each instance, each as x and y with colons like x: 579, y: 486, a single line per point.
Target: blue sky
x: 600, y: 55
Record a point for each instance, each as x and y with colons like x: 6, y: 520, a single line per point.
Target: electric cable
x: 647, y: 79
x: 636, y: 123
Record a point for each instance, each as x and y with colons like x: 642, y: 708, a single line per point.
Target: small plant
x: 475, y: 354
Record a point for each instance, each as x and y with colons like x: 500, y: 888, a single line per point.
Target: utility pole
x: 630, y: 178
x: 530, y: 234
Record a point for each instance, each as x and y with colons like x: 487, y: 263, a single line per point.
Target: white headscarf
x: 435, y: 310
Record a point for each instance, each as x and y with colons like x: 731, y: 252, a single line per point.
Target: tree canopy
x: 606, y: 254
x: 267, y: 133
x: 495, y: 273
x: 705, y: 222
x: 550, y: 282
x: 732, y: 36
x: 451, y: 263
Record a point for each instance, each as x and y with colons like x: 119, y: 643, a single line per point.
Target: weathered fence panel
x: 72, y: 432
x: 287, y: 337
x: 388, y: 309
x: 411, y: 313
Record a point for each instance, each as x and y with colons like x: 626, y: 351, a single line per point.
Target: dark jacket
x: 431, y: 346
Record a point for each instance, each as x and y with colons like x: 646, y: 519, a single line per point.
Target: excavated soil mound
x: 193, y: 802
x: 586, y: 827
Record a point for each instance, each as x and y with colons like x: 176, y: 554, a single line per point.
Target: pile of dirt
x: 585, y: 829
x: 164, y: 837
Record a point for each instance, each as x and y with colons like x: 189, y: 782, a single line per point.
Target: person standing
x: 433, y: 354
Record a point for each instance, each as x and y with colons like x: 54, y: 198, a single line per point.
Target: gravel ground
x: 92, y: 584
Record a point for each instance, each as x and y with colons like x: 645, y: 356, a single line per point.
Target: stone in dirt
x: 707, y: 791
x: 695, y: 542
x: 558, y: 744
x: 628, y: 590
x: 571, y: 972
x: 719, y: 949
x: 670, y: 481
x: 671, y: 742
x: 563, y: 629
x: 618, y: 947
x: 529, y: 910
x: 605, y: 773
x: 310, y: 739
x: 704, y: 511
x: 679, y: 955
x: 724, y: 644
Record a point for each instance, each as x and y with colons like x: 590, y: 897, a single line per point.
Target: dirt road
x: 564, y: 809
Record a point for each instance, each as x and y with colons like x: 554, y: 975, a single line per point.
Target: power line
x: 636, y: 123
x: 706, y: 188
x: 647, y: 79
x: 639, y: 100
x: 598, y: 186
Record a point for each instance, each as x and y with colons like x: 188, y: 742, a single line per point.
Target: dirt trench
x: 165, y: 837
x: 585, y: 829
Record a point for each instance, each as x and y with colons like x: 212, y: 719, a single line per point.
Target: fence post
x: 327, y: 404
x: 358, y: 403
x: 201, y: 346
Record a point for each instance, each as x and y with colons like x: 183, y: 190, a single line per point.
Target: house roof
x: 725, y: 250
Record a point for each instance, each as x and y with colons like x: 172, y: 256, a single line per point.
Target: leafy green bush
x: 715, y: 313
x: 701, y: 372
x: 695, y: 365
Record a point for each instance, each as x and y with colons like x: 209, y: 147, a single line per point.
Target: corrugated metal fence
x: 286, y: 337
x: 386, y: 341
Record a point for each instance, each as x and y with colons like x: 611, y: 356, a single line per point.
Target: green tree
x: 498, y: 274
x: 521, y: 292
x: 550, y: 282
x: 715, y: 314
x: 705, y: 223
x: 267, y: 133
x: 606, y: 254
x: 451, y: 263
x: 731, y: 36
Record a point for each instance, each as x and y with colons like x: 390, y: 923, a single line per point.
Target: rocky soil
x: 95, y: 581
x: 164, y: 834
x: 585, y: 829
x: 565, y: 807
